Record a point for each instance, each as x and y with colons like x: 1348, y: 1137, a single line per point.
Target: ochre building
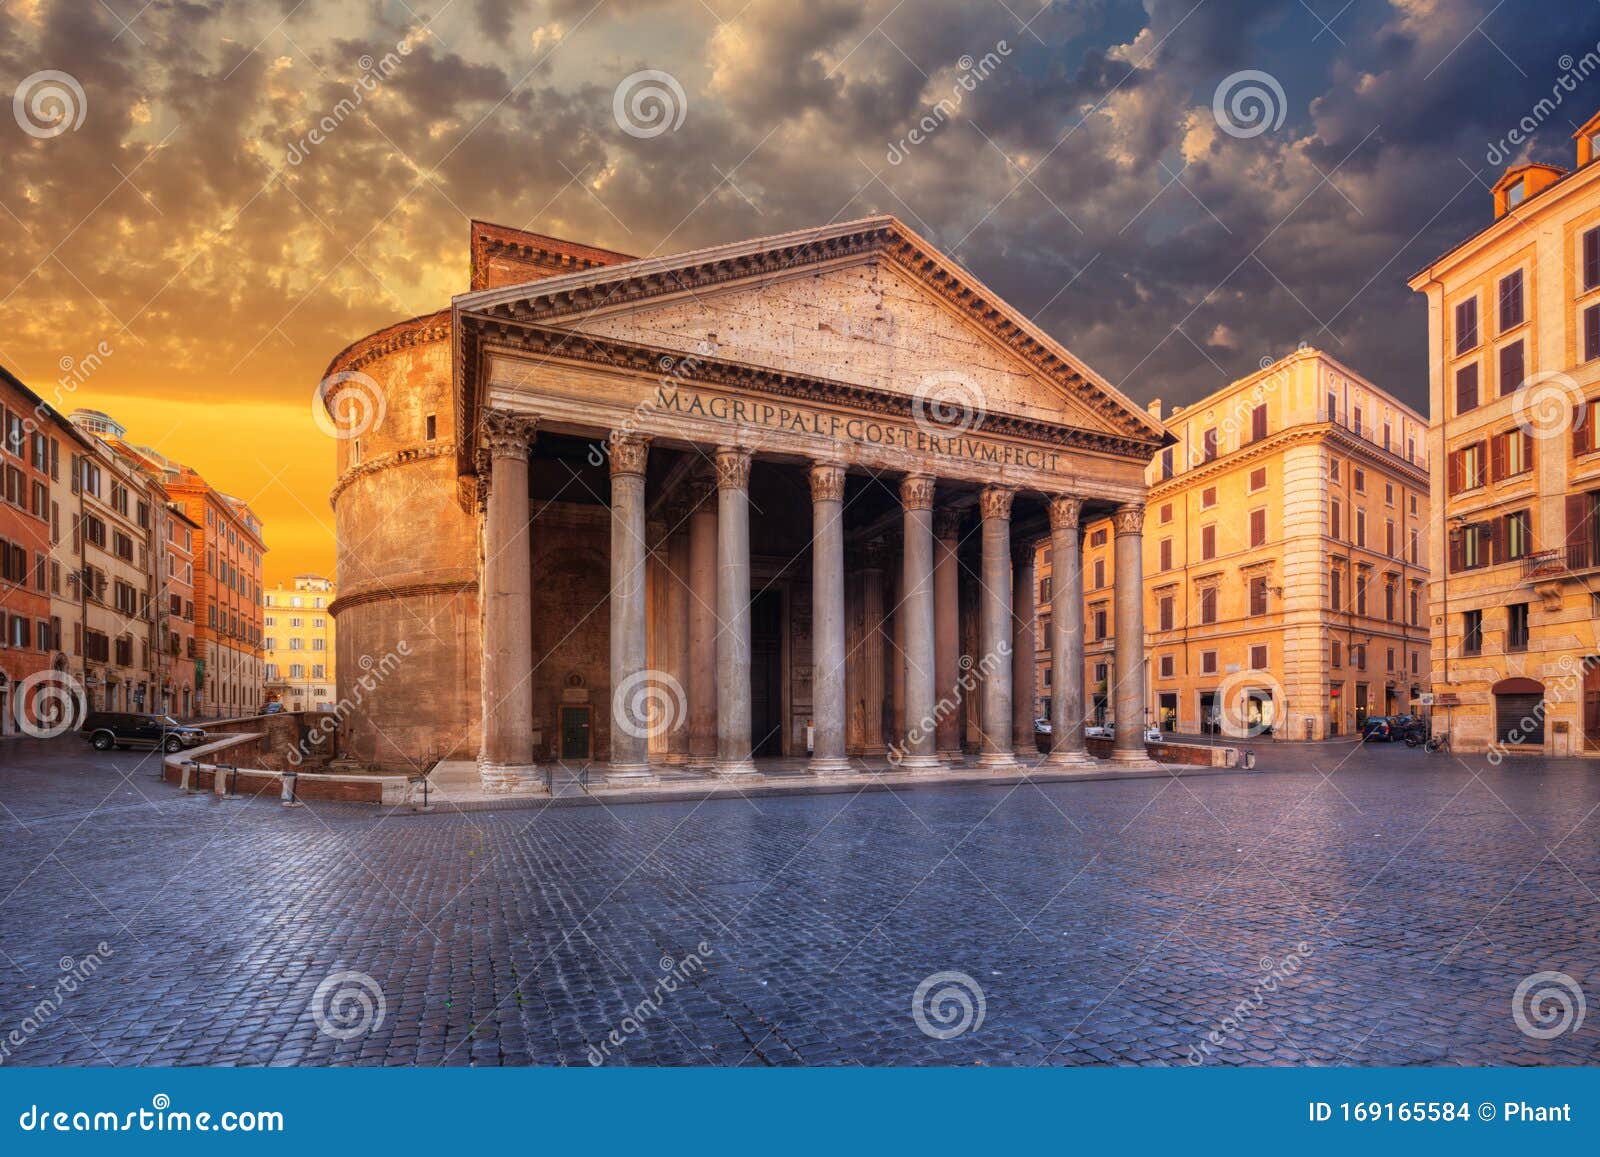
x: 754, y: 501
x: 298, y: 645
x: 1514, y: 359
x: 1285, y: 563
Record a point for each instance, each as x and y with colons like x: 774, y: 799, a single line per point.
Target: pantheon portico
x: 773, y: 499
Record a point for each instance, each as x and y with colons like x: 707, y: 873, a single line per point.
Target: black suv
x: 108, y: 729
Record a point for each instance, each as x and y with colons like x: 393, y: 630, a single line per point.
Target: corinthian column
x: 916, y: 604
x: 827, y: 619
x: 994, y: 630
x: 872, y: 743
x: 1128, y: 748
x: 1067, y: 747
x: 947, y: 632
x: 639, y: 704
x: 677, y: 636
x: 733, y: 613
x: 506, y: 760
x: 1024, y: 652
x: 702, y: 686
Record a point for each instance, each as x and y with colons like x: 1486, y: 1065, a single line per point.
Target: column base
x: 1072, y: 761
x: 827, y: 765
x: 629, y: 775
x: 998, y: 761
x: 511, y: 778
x: 734, y: 769
x: 955, y: 757
x: 923, y: 764
x: 1134, y: 761
x: 675, y: 759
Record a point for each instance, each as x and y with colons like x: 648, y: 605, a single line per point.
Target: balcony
x: 1395, y: 449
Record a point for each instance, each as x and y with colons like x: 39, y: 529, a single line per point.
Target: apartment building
x: 299, y: 643
x: 1285, y: 561
x: 1514, y: 369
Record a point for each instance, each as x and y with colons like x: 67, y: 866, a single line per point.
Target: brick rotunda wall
x: 407, y: 613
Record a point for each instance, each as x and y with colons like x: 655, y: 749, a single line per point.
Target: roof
x: 67, y: 427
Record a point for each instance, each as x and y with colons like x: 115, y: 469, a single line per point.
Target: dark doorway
x: 1169, y: 711
x: 766, y: 673
x: 575, y: 733
x: 1210, y: 720
x: 1591, y: 703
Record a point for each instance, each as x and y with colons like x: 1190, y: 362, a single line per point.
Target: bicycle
x: 1438, y: 742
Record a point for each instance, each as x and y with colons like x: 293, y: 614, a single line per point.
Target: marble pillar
x: 1128, y: 749
x: 947, y: 632
x: 994, y: 630
x: 1024, y: 652
x: 506, y: 762
x: 827, y: 621
x: 733, y: 614
x: 702, y: 681
x: 639, y: 705
x: 1067, y: 746
x: 677, y: 637
x: 917, y: 747
x: 872, y: 657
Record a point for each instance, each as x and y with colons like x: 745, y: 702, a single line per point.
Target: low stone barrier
x: 1194, y: 754
x: 242, y: 748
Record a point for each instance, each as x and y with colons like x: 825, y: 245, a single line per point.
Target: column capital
x: 1065, y: 512
x: 1128, y: 520
x: 506, y: 433
x: 628, y: 453
x: 947, y: 522
x: 995, y: 501
x: 916, y: 492
x: 733, y: 468
x: 827, y: 482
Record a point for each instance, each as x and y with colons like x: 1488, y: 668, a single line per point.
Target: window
x: 1333, y: 470
x: 1516, y: 193
x: 1336, y: 589
x: 1512, y: 371
x: 1258, y: 657
x: 1099, y: 573
x: 1358, y: 656
x: 1591, y: 259
x: 1585, y: 421
x: 430, y: 427
x: 1335, y: 653
x: 1466, y: 468
x: 1388, y: 610
x: 1361, y: 528
x: 1258, y: 596
x: 1469, y: 547
x: 1510, y: 454
x: 1517, y: 627
x: 1335, y: 518
x: 1511, y: 300
x: 1388, y: 537
x: 1208, y: 542
x: 1167, y: 463
x: 1164, y: 612
x: 1591, y: 333
x: 1166, y: 667
x: 1101, y: 626
x: 1208, y: 605
x: 1466, y: 325
x: 1208, y: 498
x: 1258, y: 527
x: 1471, y: 632
x: 1416, y: 605
x: 1208, y: 662
x: 1467, y: 388
x: 1210, y: 442
x: 1358, y: 480
x: 1165, y: 549
x: 1361, y: 594
x: 1046, y: 587
x: 1258, y: 423
x: 1258, y: 479
x: 1098, y: 538
x: 1166, y: 513
x: 1518, y: 534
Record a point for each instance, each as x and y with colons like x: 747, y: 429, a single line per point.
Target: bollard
x: 286, y: 797
x: 231, y: 780
x: 426, y: 806
x: 186, y: 780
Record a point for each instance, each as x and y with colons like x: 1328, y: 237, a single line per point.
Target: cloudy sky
x: 1176, y: 189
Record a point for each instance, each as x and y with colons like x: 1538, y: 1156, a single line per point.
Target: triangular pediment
x: 868, y: 304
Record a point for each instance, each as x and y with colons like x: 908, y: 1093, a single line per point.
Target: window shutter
x: 1455, y: 551
x: 1579, y: 507
x: 1527, y: 450
x: 1454, y: 482
x: 1591, y: 333
x: 1580, y: 431
x: 1497, y: 457
x: 1489, y: 532
x: 1591, y: 259
x: 1511, y: 372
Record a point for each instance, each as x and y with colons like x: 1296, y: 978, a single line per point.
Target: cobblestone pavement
x: 1375, y: 906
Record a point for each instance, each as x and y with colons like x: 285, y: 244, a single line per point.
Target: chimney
x: 1154, y: 408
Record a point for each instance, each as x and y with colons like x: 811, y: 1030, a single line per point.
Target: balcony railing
x: 1341, y: 418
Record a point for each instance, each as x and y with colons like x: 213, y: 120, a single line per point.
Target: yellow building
x: 1285, y: 561
x: 299, y: 643
x: 1514, y: 365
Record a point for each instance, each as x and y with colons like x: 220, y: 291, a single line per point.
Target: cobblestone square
x: 1342, y: 906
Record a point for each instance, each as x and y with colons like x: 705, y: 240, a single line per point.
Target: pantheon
x: 774, y: 500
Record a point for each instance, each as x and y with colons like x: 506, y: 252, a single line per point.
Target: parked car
x: 108, y: 729
x: 1041, y: 734
x: 272, y: 708
x: 1378, y: 729
x: 1153, y: 735
x: 1100, y: 731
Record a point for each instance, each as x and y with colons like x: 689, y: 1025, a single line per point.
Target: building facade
x: 1285, y: 562
x: 755, y: 500
x: 1514, y: 360
x: 299, y: 643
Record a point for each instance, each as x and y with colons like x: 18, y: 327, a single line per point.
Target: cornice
x: 405, y: 457
x: 429, y: 327
x: 1348, y: 443
x: 409, y: 590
